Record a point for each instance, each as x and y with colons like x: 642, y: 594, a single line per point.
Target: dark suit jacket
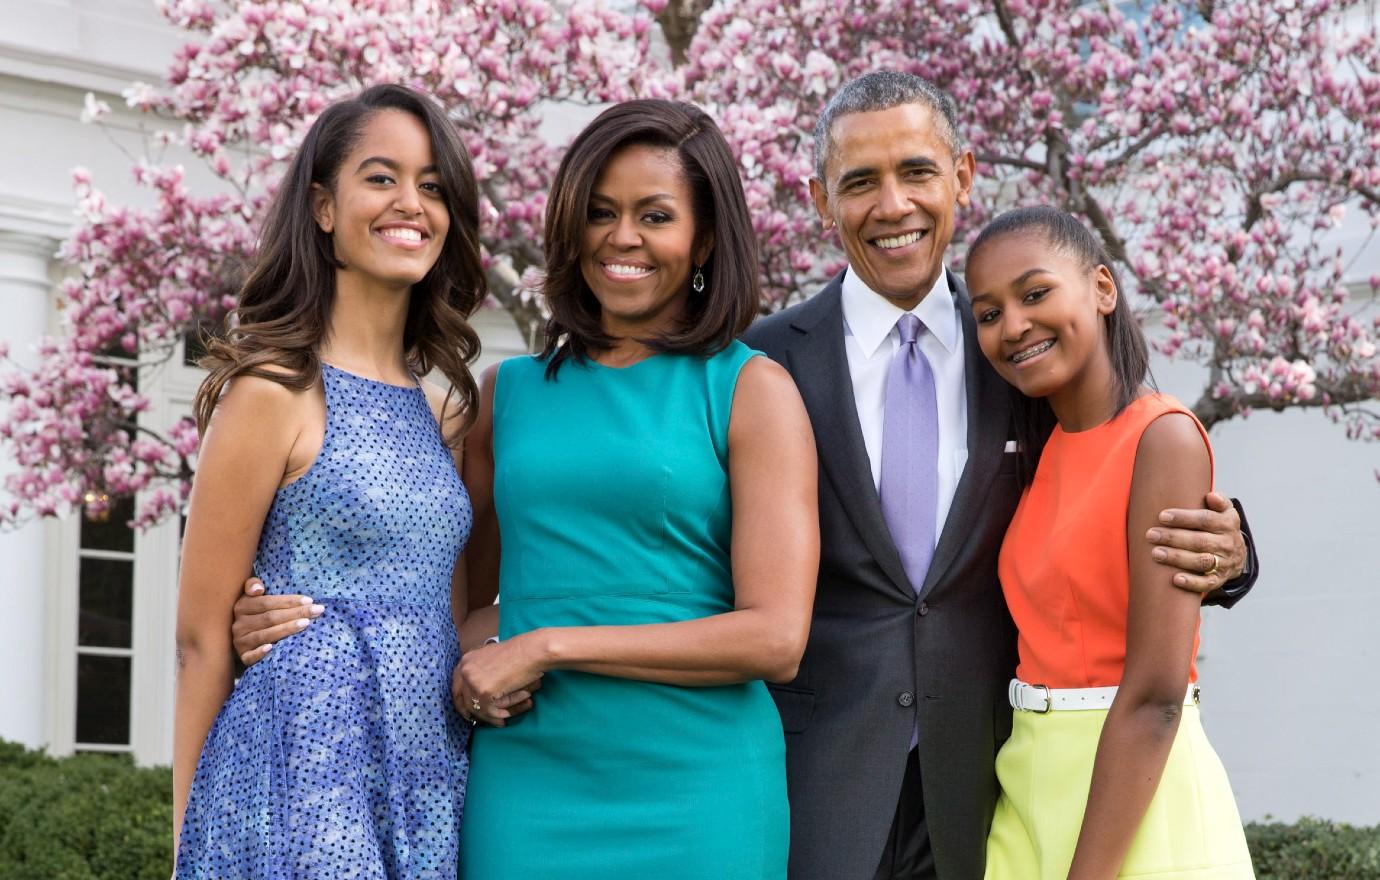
x: 880, y: 658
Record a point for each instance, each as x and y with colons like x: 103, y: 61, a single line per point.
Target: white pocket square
x: 1010, y: 446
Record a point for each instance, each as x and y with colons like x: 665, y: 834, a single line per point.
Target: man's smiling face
x: 891, y: 187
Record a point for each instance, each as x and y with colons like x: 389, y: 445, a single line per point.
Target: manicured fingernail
x: 1166, y: 517
x: 1154, y: 534
x: 305, y: 600
x: 1159, y: 554
x: 1181, y: 579
x: 267, y: 648
x: 256, y: 589
x: 318, y: 610
x: 302, y: 623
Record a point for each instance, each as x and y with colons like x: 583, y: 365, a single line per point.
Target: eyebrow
x: 658, y: 197
x: 1019, y: 280
x: 389, y: 164
x: 905, y: 165
x: 1028, y: 274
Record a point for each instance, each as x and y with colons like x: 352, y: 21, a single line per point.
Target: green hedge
x: 96, y: 817
x: 89, y: 817
x: 1312, y: 848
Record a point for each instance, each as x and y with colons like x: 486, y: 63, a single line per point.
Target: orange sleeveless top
x: 1064, y: 565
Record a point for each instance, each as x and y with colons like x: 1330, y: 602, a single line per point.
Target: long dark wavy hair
x: 714, y: 317
x: 285, y: 304
x: 1130, y: 355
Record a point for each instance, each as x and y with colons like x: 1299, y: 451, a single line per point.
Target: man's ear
x: 1106, y: 291
x: 323, y: 208
x: 820, y: 194
x: 965, y: 167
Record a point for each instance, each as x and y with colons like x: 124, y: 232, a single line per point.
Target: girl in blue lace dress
x: 326, y: 468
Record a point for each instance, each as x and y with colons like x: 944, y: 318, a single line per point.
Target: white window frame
x: 170, y: 389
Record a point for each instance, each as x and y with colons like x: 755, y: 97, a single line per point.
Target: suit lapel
x: 988, y: 423
x: 820, y: 366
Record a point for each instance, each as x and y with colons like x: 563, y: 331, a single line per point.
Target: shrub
x: 98, y: 817
x: 1314, y: 848
x: 88, y: 817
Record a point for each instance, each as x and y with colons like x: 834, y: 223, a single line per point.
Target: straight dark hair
x: 1130, y: 355
x: 714, y: 317
x: 285, y: 305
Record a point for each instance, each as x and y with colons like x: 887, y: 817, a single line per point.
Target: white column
x: 25, y: 291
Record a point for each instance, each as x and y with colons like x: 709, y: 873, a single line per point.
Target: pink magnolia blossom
x: 1212, y: 157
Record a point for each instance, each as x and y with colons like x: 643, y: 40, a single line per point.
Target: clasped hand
x: 495, y: 682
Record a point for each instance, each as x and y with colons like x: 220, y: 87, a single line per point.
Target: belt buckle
x: 1049, y: 701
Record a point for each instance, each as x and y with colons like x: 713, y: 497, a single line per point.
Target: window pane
x: 103, y: 699
x: 194, y: 347
x: 106, y: 603
x: 114, y: 532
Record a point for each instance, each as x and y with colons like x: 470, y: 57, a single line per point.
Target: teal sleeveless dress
x: 612, y: 493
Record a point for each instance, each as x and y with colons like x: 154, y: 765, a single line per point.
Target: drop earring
x: 697, y: 283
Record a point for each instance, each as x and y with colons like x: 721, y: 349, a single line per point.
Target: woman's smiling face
x: 639, y: 245
x: 387, y: 215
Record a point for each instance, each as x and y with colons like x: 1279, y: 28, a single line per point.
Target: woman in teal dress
x: 654, y: 483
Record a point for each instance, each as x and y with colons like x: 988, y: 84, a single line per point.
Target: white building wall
x: 51, y: 54
x: 1288, y: 674
x: 24, y: 306
x: 1289, y: 700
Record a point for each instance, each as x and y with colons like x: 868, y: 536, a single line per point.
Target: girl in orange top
x: 1107, y: 772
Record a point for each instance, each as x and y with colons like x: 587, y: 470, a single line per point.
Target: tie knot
x: 909, y: 327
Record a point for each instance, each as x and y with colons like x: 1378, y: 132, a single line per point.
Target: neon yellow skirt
x: 1191, y: 831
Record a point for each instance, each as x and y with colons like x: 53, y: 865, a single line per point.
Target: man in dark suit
x: 895, y: 719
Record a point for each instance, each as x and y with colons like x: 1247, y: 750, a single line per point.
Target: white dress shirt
x: 870, y: 341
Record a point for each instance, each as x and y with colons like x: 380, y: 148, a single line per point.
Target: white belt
x: 1041, y: 699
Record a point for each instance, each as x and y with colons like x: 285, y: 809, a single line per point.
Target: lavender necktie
x: 910, y: 453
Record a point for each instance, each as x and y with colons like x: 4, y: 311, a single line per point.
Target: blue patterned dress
x: 340, y: 754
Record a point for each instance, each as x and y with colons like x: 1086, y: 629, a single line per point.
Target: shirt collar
x: 871, y: 316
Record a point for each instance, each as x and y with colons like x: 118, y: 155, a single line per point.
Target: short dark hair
x: 714, y: 317
x: 882, y: 90
x: 1130, y: 354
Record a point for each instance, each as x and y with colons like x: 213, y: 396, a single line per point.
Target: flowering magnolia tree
x: 1212, y: 146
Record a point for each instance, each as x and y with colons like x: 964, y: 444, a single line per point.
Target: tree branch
x: 1352, y: 390
x: 1255, y: 210
x: 1011, y: 161
x: 527, y: 250
x: 527, y: 316
x: 1116, y: 246
x: 679, y: 21
x: 1008, y: 25
x: 1145, y: 140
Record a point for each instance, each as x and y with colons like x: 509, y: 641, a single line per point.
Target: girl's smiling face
x: 1040, y: 315
x: 386, y: 214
